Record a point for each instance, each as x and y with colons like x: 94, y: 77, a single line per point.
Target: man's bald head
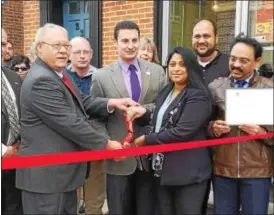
x: 81, y: 53
x: 80, y: 41
x: 4, y: 42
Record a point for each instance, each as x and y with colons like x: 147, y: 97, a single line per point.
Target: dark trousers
x: 250, y: 193
x: 11, y: 202
x: 206, y: 198
x: 132, y: 194
x: 178, y: 200
x: 52, y: 203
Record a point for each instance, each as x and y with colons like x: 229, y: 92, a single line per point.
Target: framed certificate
x: 249, y: 106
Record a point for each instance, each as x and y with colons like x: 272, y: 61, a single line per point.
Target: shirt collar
x: 91, y: 70
x: 247, y: 79
x: 60, y: 74
x: 213, y: 61
x: 124, y: 66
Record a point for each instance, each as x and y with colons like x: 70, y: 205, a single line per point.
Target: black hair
x: 258, y: 49
x: 125, y: 25
x: 18, y: 59
x: 210, y: 21
x: 266, y: 70
x: 194, y: 71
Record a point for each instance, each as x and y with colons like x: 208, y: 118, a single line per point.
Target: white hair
x: 41, y: 33
x: 32, y: 52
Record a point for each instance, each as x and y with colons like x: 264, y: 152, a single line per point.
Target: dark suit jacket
x: 53, y: 120
x: 191, y: 110
x: 15, y: 83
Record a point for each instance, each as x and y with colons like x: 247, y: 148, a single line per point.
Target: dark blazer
x: 185, y: 120
x: 15, y: 83
x: 53, y: 120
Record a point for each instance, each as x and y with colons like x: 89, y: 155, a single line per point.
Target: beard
x: 205, y: 54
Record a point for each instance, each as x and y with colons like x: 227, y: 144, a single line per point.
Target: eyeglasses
x: 85, y: 52
x: 22, y: 68
x: 58, y: 46
x: 243, y: 61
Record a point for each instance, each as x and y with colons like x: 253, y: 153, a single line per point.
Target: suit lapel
x: 145, y: 78
x: 174, y: 103
x: 77, y: 95
x: 3, y: 108
x: 118, y: 80
x: 161, y: 99
x: 15, y: 85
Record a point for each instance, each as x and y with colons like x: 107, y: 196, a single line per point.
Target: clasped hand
x: 132, y: 112
x: 220, y: 127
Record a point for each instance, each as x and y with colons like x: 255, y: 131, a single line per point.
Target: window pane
x: 261, y: 27
x: 261, y: 21
x: 184, y: 13
x: 74, y: 7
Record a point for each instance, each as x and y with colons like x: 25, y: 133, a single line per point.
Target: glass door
x: 179, y: 17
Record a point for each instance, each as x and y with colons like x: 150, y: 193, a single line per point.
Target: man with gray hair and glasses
x: 54, y: 119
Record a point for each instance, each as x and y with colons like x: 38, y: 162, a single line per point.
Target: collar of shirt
x: 60, y: 74
x: 214, y: 61
x: 91, y: 70
x: 124, y: 66
x: 247, y: 79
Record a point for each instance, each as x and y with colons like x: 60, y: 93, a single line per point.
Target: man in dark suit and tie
x: 10, y: 134
x: 54, y: 119
x: 129, y: 190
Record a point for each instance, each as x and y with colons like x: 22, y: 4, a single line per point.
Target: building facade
x: 168, y: 22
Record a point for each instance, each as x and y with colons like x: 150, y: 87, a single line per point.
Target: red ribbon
x: 129, y: 125
x: 76, y: 157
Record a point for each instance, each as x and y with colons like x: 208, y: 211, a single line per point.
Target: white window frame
x: 165, y: 30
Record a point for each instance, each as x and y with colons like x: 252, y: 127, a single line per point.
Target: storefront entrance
x: 76, y: 18
x: 253, y: 18
x: 79, y: 17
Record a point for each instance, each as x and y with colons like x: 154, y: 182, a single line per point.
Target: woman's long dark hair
x: 194, y: 70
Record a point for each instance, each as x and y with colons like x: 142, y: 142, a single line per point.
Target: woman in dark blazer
x: 181, y: 114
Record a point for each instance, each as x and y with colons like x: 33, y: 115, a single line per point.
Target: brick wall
x: 21, y: 19
x: 140, y: 12
x: 12, y: 22
x: 31, y: 22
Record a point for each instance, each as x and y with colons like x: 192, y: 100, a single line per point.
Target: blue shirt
x: 84, y: 84
x: 162, y: 111
x: 246, y: 84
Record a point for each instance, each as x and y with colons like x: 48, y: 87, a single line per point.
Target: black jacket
x: 216, y: 68
x: 191, y: 109
x: 15, y: 83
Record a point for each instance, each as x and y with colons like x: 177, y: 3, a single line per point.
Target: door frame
x: 95, y: 28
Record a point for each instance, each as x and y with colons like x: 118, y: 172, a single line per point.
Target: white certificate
x: 249, y: 106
